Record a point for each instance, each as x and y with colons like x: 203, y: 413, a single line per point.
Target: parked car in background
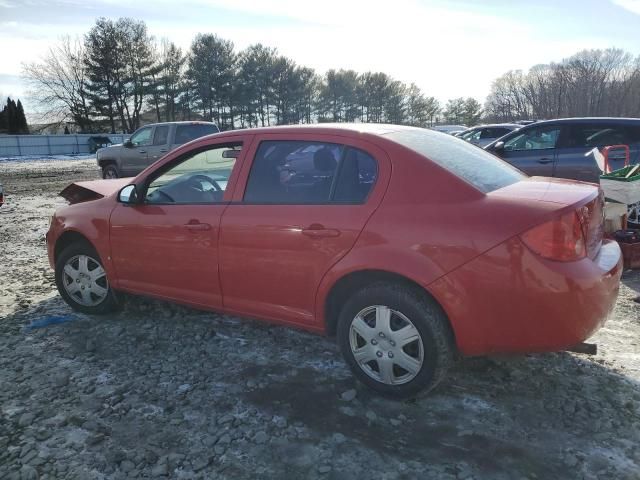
x: 483, y: 135
x: 148, y: 144
x: 307, y: 226
x: 559, y: 148
x: 450, y: 129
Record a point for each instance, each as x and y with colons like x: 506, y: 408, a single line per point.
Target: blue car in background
x: 559, y: 148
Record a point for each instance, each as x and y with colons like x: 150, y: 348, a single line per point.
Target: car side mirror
x: 498, y: 147
x: 128, y: 143
x: 128, y: 195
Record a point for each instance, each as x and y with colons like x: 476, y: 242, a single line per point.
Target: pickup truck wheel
x: 110, y: 171
x: 82, y: 280
x: 396, y: 340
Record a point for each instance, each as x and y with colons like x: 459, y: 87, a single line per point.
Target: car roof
x: 325, y: 128
x: 497, y: 125
x: 578, y: 120
x: 185, y: 122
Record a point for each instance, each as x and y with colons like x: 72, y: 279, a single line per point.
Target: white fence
x: 21, y: 145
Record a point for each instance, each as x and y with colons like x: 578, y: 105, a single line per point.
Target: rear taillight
x: 560, y: 239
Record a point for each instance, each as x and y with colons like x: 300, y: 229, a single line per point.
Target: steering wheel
x: 196, y: 180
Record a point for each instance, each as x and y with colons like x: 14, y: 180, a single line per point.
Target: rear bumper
x: 510, y: 300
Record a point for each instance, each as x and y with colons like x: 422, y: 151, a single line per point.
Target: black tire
x: 107, y: 304
x: 110, y: 171
x: 428, y: 319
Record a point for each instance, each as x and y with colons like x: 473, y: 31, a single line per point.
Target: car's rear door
x: 167, y: 246
x: 573, y: 160
x: 301, y: 202
x: 533, y: 150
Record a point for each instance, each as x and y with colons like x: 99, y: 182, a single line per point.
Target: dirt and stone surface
x: 161, y: 391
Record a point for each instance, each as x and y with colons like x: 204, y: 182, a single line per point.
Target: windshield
x: 484, y: 171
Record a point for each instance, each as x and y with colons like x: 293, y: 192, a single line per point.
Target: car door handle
x: 142, y: 151
x: 163, y: 150
x: 195, y: 226
x: 545, y: 160
x: 318, y: 231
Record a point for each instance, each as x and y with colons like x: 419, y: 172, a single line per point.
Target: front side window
x: 477, y: 135
x: 469, y: 134
x: 142, y: 137
x: 201, y: 177
x: 301, y: 172
x: 539, y: 138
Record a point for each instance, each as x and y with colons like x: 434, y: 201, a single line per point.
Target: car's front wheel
x: 395, y: 339
x: 110, y: 171
x: 82, y: 280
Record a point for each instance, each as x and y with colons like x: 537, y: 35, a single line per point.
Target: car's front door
x: 167, y: 245
x: 298, y: 208
x: 134, y: 153
x: 532, y: 150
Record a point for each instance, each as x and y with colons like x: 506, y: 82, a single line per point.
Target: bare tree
x: 589, y: 83
x: 59, y: 84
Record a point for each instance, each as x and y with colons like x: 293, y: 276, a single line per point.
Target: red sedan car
x: 409, y: 245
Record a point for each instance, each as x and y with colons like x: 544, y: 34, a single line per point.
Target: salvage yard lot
x: 162, y: 390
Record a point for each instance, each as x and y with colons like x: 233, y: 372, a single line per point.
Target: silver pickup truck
x: 148, y: 144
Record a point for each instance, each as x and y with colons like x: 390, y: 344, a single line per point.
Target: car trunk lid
x: 585, y: 200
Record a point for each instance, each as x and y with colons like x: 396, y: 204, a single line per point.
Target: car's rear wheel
x: 82, y: 280
x: 110, y: 171
x: 395, y: 339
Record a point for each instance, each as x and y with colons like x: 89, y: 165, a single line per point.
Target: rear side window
x: 484, y: 171
x: 357, y: 174
x: 161, y: 134
x: 187, y: 132
x: 298, y: 172
x: 599, y: 135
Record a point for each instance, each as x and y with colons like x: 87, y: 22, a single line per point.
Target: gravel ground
x: 165, y: 391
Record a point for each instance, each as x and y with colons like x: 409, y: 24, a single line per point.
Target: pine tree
x: 21, y: 119
x: 4, y: 121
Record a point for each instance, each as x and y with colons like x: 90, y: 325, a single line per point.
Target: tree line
x: 118, y: 73
x: 12, y: 118
x: 590, y: 83
x: 118, y: 76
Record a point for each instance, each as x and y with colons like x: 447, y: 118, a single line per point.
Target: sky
x: 448, y: 48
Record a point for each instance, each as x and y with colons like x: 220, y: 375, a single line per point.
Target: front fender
x: 92, y: 223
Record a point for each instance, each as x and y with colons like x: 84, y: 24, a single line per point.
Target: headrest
x: 324, y: 161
